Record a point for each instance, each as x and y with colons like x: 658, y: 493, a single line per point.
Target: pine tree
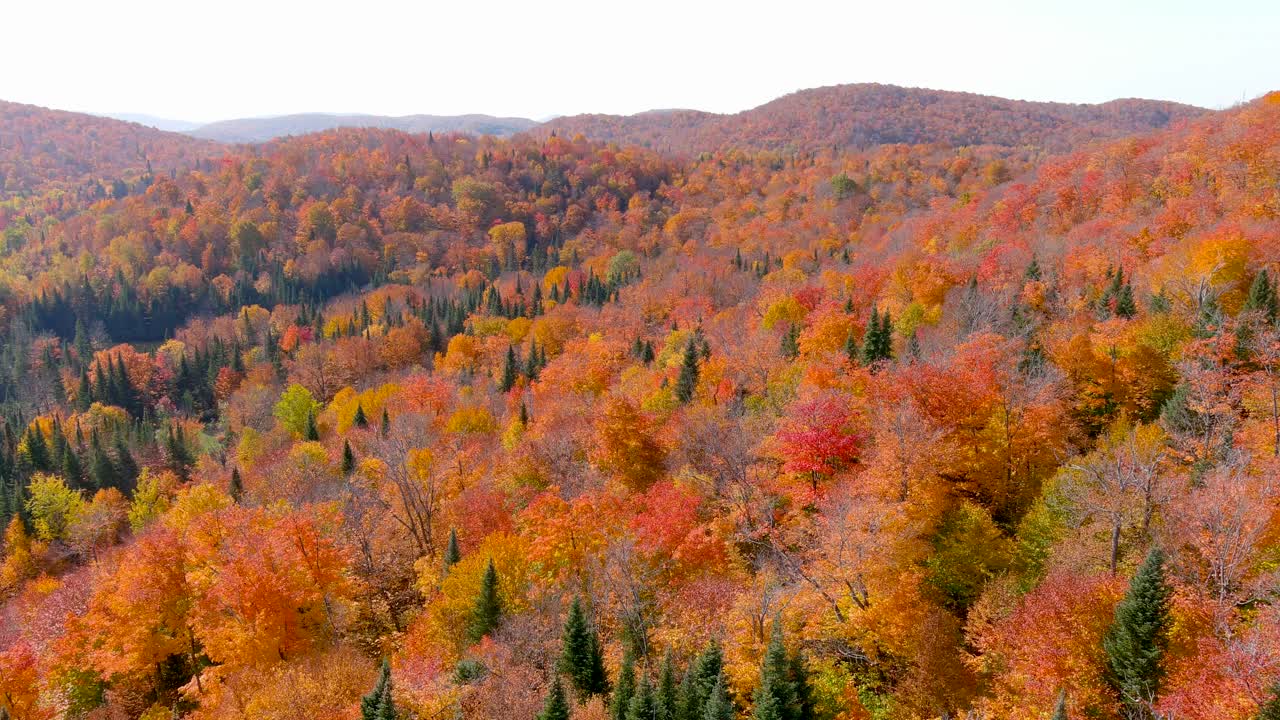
x: 643, y: 705
x: 851, y: 349
x: 688, y: 381
x: 791, y: 343
x: 384, y: 429
x: 348, y: 458
x: 101, y: 470
x: 37, y: 450
x: 313, y: 432
x: 719, y: 705
x: 777, y: 697
x: 487, y: 612
x: 625, y: 689
x: 84, y: 393
x: 180, y: 460
x: 1136, y: 641
x: 360, y: 420
x: 698, y: 682
x: 508, y: 380
x: 1271, y: 708
x: 580, y: 657
x: 666, y: 699
x: 555, y: 707
x: 126, y: 467
x: 235, y: 488
x: 1262, y: 297
x: 378, y: 704
x: 451, y: 552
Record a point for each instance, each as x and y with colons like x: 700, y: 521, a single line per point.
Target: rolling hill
x: 864, y: 115
x: 252, y: 130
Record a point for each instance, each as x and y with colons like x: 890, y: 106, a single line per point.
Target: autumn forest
x: 871, y: 403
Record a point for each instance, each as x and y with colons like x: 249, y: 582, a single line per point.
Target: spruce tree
x: 101, y: 470
x: 360, y: 420
x: 666, y: 699
x: 643, y: 705
x: 451, y: 552
x: 625, y: 689
x: 509, y: 372
x: 555, y: 707
x: 313, y: 432
x: 777, y: 697
x: 719, y: 705
x: 378, y: 704
x: 1136, y: 641
x: 1271, y: 708
x: 1262, y: 297
x: 126, y: 467
x: 487, y: 612
x: 37, y: 451
x: 348, y: 458
x: 385, y: 428
x: 235, y: 488
x: 580, y: 658
x: 698, y: 682
x: 791, y: 343
x: 688, y: 381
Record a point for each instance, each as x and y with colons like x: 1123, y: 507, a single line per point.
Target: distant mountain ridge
x: 254, y: 130
x: 863, y: 115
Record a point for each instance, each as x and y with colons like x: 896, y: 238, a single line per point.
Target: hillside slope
x: 862, y: 115
x: 41, y: 149
x: 254, y: 130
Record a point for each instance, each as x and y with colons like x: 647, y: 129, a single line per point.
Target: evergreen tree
x: 719, y: 705
x: 378, y: 704
x: 698, y: 682
x: 1271, y: 708
x: 451, y: 552
x: 508, y: 379
x: 643, y: 705
x: 180, y: 460
x: 777, y: 697
x: 37, y: 451
x: 348, y: 458
x: 555, y: 707
x: 236, y: 487
x: 84, y: 393
x: 666, y: 699
x: 126, y: 467
x: 791, y: 343
x: 384, y: 429
x: 620, y: 703
x: 360, y: 420
x: 487, y: 612
x: 1136, y: 641
x: 688, y: 381
x: 1262, y: 297
x: 313, y: 432
x: 580, y: 658
x: 101, y: 470
x: 851, y: 349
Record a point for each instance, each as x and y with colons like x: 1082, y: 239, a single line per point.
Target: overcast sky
x: 235, y: 58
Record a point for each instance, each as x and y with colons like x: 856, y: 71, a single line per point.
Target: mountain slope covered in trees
x: 860, y: 116
x: 368, y: 424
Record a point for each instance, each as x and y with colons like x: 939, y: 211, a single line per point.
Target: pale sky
x: 220, y: 59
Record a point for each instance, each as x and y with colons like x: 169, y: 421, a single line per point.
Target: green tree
x: 555, y: 707
x: 360, y: 420
x: 296, y: 409
x: 1271, y: 708
x: 509, y: 371
x: 313, y: 432
x: 1060, y: 710
x: 236, y: 487
x: 1262, y: 297
x: 378, y: 704
x: 580, y: 656
x: 348, y: 458
x: 667, y: 697
x: 643, y: 705
x: 54, y: 507
x: 452, y: 554
x: 699, y: 682
x: 625, y: 689
x: 688, y: 380
x: 1136, y: 642
x: 487, y: 612
x: 719, y: 705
